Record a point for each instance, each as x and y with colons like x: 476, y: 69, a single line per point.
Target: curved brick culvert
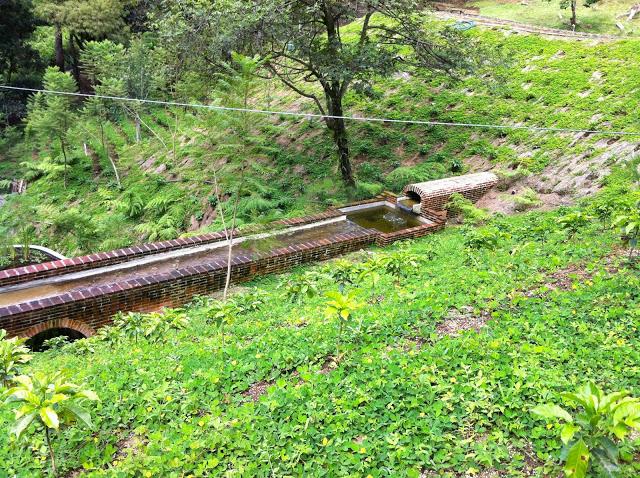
x: 74, y: 325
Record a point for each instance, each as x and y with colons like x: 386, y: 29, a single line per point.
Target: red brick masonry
x: 94, y: 307
x: 101, y: 259
x: 87, y: 309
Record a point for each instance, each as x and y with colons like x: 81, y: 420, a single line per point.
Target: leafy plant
x: 343, y: 272
x: 301, y: 287
x: 527, y: 199
x: 629, y: 224
x: 153, y: 326
x: 56, y: 343
x: 131, y: 325
x: 341, y: 307
x: 483, y: 238
x: 458, y: 205
x: 51, y: 402
x: 221, y: 313
x: 574, y: 221
x: 594, y: 432
x: 13, y: 353
x: 250, y: 301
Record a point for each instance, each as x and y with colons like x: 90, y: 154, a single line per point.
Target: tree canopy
x: 307, y: 46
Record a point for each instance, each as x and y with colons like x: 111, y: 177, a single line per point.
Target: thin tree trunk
x: 64, y: 153
x: 573, y: 15
x: 105, y: 148
x: 59, y: 49
x: 137, y: 120
x: 51, y: 454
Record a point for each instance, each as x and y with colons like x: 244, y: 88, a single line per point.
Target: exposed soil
x: 458, y: 321
x: 257, y: 390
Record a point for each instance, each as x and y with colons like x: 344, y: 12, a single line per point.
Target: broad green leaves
x: 13, y: 354
x: 592, y: 431
x: 577, y: 462
x: 341, y: 305
x: 552, y: 411
x: 50, y: 401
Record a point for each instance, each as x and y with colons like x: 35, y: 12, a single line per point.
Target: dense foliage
x: 166, y: 178
x: 411, y: 391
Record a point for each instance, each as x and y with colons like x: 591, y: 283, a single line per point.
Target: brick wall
x: 75, y: 264
x: 411, y: 233
x: 94, y: 307
x: 87, y: 309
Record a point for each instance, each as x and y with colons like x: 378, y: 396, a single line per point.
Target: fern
x: 161, y: 203
x: 5, y: 184
x: 131, y: 204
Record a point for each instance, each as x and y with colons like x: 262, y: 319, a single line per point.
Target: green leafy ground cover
x: 407, y: 395
x: 545, y: 83
x: 598, y: 18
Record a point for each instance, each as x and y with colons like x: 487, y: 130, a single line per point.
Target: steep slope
x: 438, y: 368
x: 168, y: 176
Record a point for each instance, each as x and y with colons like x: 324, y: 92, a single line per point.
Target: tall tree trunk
x: 573, y: 15
x: 340, y: 137
x: 59, y: 48
x: 74, y: 49
x: 342, y: 143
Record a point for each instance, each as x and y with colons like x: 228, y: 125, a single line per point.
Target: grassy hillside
x: 599, y: 18
x: 463, y: 334
x: 167, y: 185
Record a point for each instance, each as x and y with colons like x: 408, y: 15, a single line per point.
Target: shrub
x: 13, y: 354
x: 50, y: 401
x: 369, y: 172
x: 301, y: 287
x: 458, y: 205
x: 574, y: 221
x: 593, y: 434
x: 527, y: 199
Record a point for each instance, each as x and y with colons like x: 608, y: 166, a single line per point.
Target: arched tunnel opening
x: 413, y: 196
x: 37, y: 342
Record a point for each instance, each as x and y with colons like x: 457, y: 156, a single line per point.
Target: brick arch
x: 414, y: 190
x: 81, y: 327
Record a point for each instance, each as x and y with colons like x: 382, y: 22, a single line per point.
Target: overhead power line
x: 323, y: 116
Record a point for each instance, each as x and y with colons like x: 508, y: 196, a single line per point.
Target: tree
x: 573, y: 4
x: 51, y: 116
x: 235, y: 143
x: 135, y: 72
x: 13, y: 353
x: 80, y: 21
x: 305, y: 47
x: 19, y: 63
x: 51, y: 402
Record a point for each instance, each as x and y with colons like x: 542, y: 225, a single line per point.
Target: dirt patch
x: 257, y: 390
x: 130, y: 445
x: 565, y: 278
x: 478, y: 163
x: 459, y: 320
x: 531, y: 465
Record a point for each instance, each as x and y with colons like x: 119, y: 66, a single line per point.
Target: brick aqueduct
x: 81, y: 294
